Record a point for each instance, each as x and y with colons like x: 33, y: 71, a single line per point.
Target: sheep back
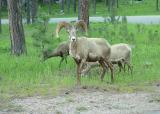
x: 96, y: 46
x: 120, y: 51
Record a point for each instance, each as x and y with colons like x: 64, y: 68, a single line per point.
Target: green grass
x: 27, y: 75
x: 147, y: 7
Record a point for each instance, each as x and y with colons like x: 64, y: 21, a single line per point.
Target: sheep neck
x: 53, y: 54
x: 73, y: 48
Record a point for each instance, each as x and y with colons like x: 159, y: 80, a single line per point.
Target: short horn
x: 82, y: 25
x: 60, y: 26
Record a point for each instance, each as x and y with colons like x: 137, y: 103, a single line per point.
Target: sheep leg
x: 124, y: 67
x: 110, y: 65
x: 89, y: 67
x: 120, y: 65
x: 65, y: 59
x: 130, y: 68
x: 82, y: 63
x: 62, y: 59
x: 78, y: 74
x: 86, y: 70
x: 103, y: 69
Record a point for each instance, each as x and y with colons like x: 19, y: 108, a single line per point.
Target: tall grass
x: 27, y: 75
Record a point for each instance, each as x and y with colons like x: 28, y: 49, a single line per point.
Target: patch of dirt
x: 91, y: 101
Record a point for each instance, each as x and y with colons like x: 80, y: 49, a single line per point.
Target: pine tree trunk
x: 62, y: 5
x: 79, y: 9
x: 68, y: 6
x: 28, y: 12
x: 16, y: 28
x: 107, y: 2
x: 49, y: 6
x: 34, y: 8
x: 74, y: 6
x: 117, y: 3
x: 84, y: 11
x: 157, y: 4
x: 112, y: 10
x: 94, y: 6
x: 109, y: 5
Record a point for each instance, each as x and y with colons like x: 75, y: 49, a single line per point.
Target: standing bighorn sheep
x: 84, y: 49
x: 62, y: 51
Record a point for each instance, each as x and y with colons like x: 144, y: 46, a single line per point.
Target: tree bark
x: 34, y: 8
x: 68, y: 6
x: 94, y: 6
x: 16, y: 28
x: 117, y: 3
x: 106, y: 2
x: 157, y: 4
x: 112, y: 10
x: 74, y: 6
x: 79, y: 9
x: 84, y: 11
x: 49, y: 6
x: 28, y: 12
x: 62, y: 5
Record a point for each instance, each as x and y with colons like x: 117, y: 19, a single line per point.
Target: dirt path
x: 91, y: 101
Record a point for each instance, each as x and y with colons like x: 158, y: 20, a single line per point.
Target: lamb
x: 120, y: 55
x: 84, y: 49
x: 62, y: 51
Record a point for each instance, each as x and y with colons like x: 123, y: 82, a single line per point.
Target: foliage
x: 28, y: 76
x: 126, y: 7
x: 39, y: 36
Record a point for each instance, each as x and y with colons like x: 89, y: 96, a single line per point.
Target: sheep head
x: 71, y: 29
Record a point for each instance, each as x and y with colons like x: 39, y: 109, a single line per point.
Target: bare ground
x: 91, y: 101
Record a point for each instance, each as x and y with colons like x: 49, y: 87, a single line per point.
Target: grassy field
x: 147, y: 7
x: 27, y: 75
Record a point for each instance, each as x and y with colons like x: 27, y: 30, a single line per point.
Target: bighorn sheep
x: 120, y: 55
x: 122, y: 52
x: 84, y: 49
x: 62, y: 51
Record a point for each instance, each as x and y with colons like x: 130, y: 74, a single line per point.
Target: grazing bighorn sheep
x: 84, y: 49
x: 120, y: 55
x: 62, y: 51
